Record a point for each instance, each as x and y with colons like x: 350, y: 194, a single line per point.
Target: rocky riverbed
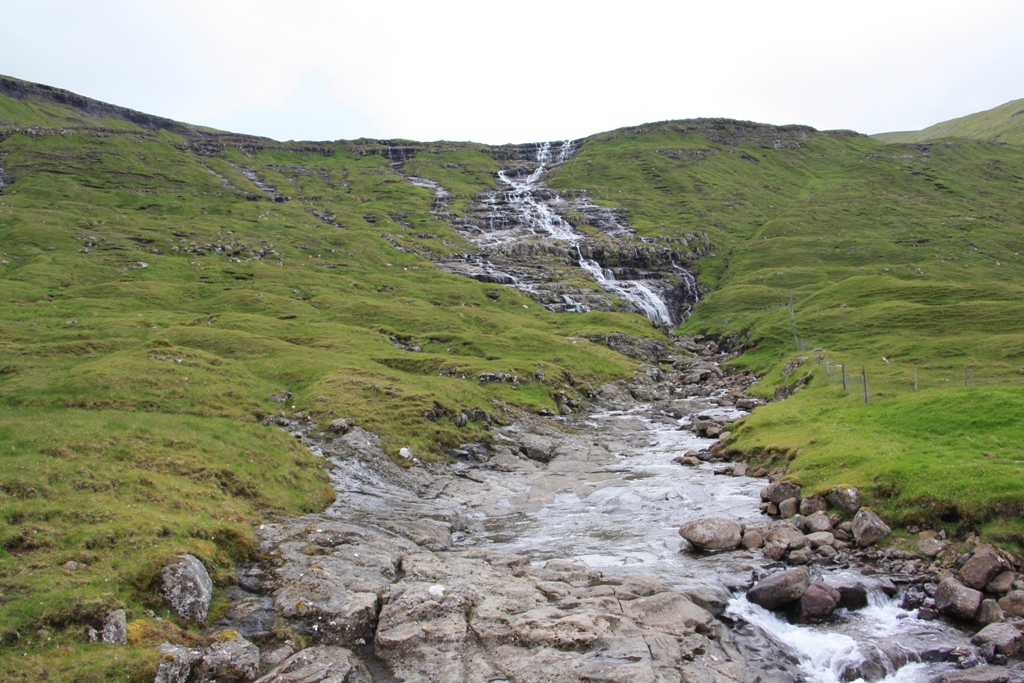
x: 551, y: 551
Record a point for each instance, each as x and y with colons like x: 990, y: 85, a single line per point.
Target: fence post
x: 915, y: 378
x: 864, y: 378
x: 843, y: 366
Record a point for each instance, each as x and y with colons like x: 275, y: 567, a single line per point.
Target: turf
x: 1002, y: 124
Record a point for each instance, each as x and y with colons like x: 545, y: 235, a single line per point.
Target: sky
x: 521, y: 71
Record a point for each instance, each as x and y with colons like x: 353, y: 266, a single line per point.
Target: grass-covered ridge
x: 1004, y: 123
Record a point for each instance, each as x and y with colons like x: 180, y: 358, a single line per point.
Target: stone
x: 537, y: 447
x: 957, y: 600
x: 812, y: 504
x: 712, y: 599
x: 989, y: 612
x: 846, y: 498
x: 788, y: 508
x: 339, y: 426
x: 1006, y: 637
x: 739, y: 469
x: 818, y: 602
x: 820, y: 538
x: 931, y: 547
x: 1002, y: 583
x: 868, y: 528
x: 752, y: 539
x: 319, y: 664
x: 712, y: 533
x: 984, y: 565
x: 187, y: 588
x: 234, y: 660
x: 977, y: 674
x: 817, y: 521
x: 1013, y: 604
x: 800, y: 555
x: 774, y: 551
x: 175, y: 663
x: 782, y: 532
x: 115, y: 628
x: 780, y: 491
x: 780, y: 589
x: 826, y: 551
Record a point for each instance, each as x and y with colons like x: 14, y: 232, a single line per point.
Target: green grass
x: 1004, y: 124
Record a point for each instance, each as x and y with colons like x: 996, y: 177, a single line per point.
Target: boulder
x: 774, y: 551
x: 115, y: 628
x: 852, y: 593
x: 537, y: 447
x: 739, y: 469
x: 339, y: 426
x: 175, y: 663
x: 711, y: 533
x: 752, y: 539
x: 782, y: 532
x: 800, y: 556
x: 1013, y: 604
x: 957, y: 600
x: 818, y: 602
x: 983, y: 566
x: 1006, y: 637
x: 780, y: 491
x: 978, y: 674
x: 817, y: 521
x: 989, y: 612
x: 868, y: 528
x: 788, y: 508
x: 820, y: 538
x: 1002, y: 583
x: 846, y: 498
x: 780, y: 589
x: 233, y: 660
x: 812, y: 504
x: 187, y: 588
x: 318, y: 664
x: 931, y: 547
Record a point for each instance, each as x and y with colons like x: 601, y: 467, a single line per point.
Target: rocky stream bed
x: 552, y: 552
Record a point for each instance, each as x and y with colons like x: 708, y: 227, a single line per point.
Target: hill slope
x: 1004, y: 123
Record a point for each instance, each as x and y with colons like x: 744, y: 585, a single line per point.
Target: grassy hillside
x: 838, y: 247
x: 154, y: 297
x: 1004, y: 123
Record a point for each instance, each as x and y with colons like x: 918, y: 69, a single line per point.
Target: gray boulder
x: 820, y: 538
x: 537, y: 447
x: 1006, y: 637
x: 989, y: 613
x: 752, y: 539
x: 1002, y: 583
x: 175, y: 663
x: 846, y: 498
x: 817, y: 521
x: 711, y: 533
x: 187, y: 588
x: 800, y: 555
x: 852, y: 593
x: 788, y: 508
x: 780, y: 589
x: 783, y: 532
x: 983, y: 566
x: 812, y: 504
x: 339, y: 426
x: 957, y: 600
x: 931, y: 547
x: 115, y: 628
x: 780, y: 491
x: 233, y: 660
x: 818, y: 602
x: 868, y: 528
x: 1013, y: 604
x: 318, y: 664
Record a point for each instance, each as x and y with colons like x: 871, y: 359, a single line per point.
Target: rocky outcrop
x: 318, y: 664
x: 115, y: 628
x: 187, y: 588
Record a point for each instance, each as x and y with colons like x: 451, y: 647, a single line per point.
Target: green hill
x: 1004, y: 123
x: 163, y: 283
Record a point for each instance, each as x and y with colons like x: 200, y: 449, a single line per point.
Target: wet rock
x: 868, y: 528
x: 846, y: 498
x: 319, y: 664
x: 800, y: 556
x: 812, y: 504
x: 775, y: 551
x: 818, y: 602
x: 713, y: 600
x: 780, y: 589
x: 788, y: 508
x: 817, y: 521
x: 1006, y: 637
x: 669, y: 612
x: 989, y: 612
x: 1002, y: 583
x: 820, y: 538
x: 1013, y: 604
x: 752, y: 539
x: 957, y: 600
x: 983, y: 566
x: 711, y: 533
x: 976, y: 674
x: 175, y: 663
x: 233, y: 660
x: 115, y: 628
x: 783, y: 532
x: 739, y: 469
x: 780, y: 491
x: 187, y: 588
x: 536, y: 447
x: 931, y: 547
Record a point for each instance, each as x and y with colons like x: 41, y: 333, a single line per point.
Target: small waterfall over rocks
x: 525, y: 240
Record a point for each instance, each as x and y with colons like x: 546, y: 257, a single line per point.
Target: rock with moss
x: 846, y: 498
x: 187, y: 588
x: 868, y: 527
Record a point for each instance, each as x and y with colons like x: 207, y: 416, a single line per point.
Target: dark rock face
x: 818, y: 602
x: 983, y: 566
x: 780, y: 589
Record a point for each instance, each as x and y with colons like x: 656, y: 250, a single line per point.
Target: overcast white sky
x: 521, y: 71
